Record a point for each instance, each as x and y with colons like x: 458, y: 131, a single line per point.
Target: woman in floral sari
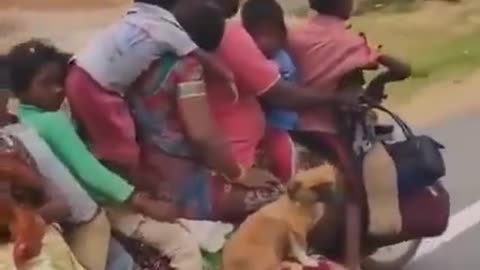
x: 183, y: 154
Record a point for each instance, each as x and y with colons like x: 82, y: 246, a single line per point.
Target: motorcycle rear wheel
x: 394, y: 257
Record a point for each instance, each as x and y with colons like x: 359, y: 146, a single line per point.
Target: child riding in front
x: 264, y: 21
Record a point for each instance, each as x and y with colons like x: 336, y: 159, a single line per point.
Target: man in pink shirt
x: 327, y: 53
x: 237, y: 109
x: 330, y: 58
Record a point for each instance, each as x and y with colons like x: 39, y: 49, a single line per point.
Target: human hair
x: 259, y: 12
x: 25, y: 60
x: 4, y: 81
x: 323, y: 6
x: 166, y: 4
x: 204, y: 21
x: 230, y: 7
x: 337, y: 8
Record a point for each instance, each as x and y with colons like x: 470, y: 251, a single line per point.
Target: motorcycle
x: 344, y: 149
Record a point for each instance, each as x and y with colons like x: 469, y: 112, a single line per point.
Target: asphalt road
x: 459, y: 248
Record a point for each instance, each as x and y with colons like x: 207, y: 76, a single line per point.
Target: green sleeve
x: 60, y: 134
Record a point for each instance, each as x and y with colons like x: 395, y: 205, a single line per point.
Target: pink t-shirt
x: 325, y: 50
x: 238, y: 111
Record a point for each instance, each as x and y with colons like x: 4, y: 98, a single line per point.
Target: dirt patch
x: 60, y: 4
x: 69, y: 24
x: 68, y: 30
x: 443, y: 101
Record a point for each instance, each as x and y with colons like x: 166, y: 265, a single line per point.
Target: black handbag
x: 418, y: 159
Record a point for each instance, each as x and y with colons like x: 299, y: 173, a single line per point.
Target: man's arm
x: 257, y: 75
x: 213, y: 65
x: 289, y: 96
x: 200, y: 126
x: 397, y: 70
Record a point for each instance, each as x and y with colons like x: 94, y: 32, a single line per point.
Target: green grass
x: 440, y: 40
x: 212, y: 261
x: 449, y: 60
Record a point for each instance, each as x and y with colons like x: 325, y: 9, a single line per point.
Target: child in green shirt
x: 37, y: 73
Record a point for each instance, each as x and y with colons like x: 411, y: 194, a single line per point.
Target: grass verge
x: 450, y: 60
x: 440, y: 40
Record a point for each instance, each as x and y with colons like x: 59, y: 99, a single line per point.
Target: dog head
x: 314, y: 185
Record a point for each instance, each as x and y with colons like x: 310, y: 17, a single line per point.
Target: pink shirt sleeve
x: 253, y: 72
x: 363, y: 55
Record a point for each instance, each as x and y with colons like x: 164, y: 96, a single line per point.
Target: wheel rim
x: 392, y: 253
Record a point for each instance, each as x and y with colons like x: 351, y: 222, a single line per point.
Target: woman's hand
x: 159, y: 210
x: 258, y: 178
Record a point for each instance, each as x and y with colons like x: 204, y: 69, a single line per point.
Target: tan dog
x: 280, y: 228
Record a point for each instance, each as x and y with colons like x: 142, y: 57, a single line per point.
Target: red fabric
x: 280, y: 152
x: 434, y: 200
x: 238, y: 111
x: 325, y: 50
x: 104, y: 117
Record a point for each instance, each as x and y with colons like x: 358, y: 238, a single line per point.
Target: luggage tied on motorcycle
x: 22, y: 193
x: 404, y: 196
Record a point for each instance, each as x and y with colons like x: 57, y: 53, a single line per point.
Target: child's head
x: 37, y: 73
x: 204, y: 21
x: 264, y: 20
x: 338, y: 8
x: 229, y: 7
x: 166, y: 4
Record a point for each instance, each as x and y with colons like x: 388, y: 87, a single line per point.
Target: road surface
x: 458, y: 248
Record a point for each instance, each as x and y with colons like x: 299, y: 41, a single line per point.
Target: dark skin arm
x: 205, y: 138
x: 213, y: 65
x: 289, y: 96
x: 396, y: 70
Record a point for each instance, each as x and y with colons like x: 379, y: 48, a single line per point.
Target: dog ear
x: 292, y: 188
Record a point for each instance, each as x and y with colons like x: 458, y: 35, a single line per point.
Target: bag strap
x: 407, y: 131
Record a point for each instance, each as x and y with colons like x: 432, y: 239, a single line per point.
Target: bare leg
x: 352, y: 237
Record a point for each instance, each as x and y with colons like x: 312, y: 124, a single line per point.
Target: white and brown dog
x: 279, y: 230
